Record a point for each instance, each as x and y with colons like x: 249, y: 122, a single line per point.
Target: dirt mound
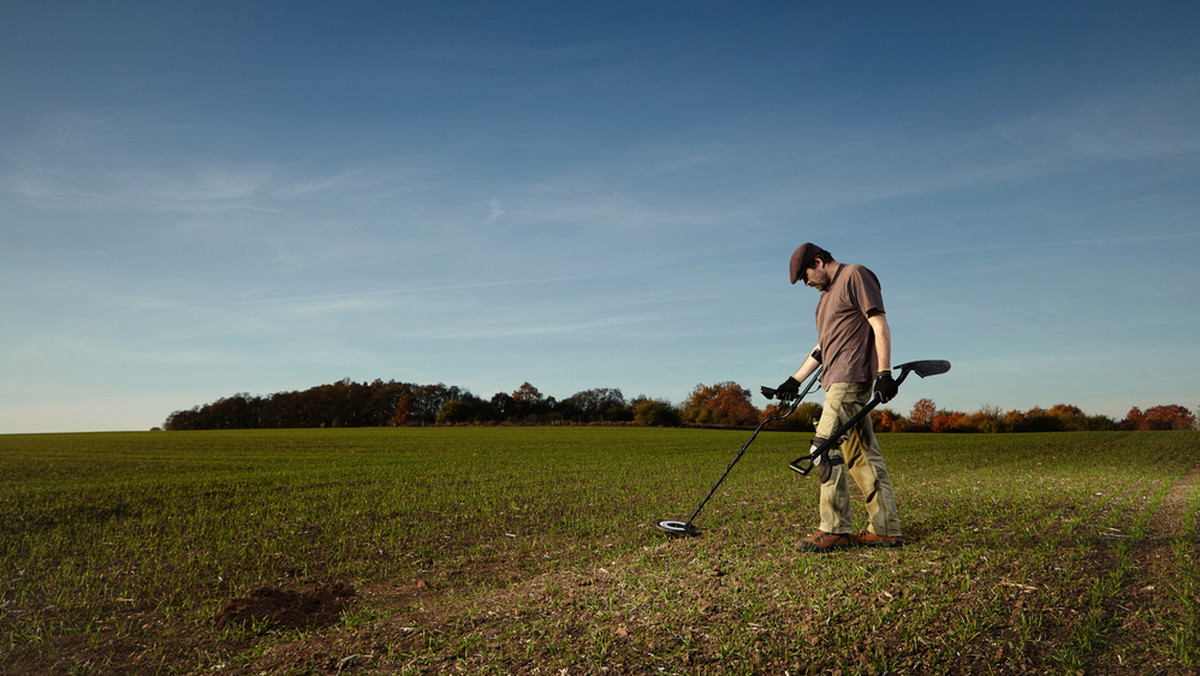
x: 313, y: 606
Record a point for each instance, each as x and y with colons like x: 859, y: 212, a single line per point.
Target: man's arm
x: 810, y: 364
x: 791, y: 387
x: 883, y: 339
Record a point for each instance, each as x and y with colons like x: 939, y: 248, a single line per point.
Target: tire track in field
x: 1161, y: 599
x: 1168, y: 519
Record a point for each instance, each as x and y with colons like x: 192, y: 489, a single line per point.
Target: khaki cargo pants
x: 863, y: 461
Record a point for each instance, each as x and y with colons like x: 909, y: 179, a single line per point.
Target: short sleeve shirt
x: 846, y: 339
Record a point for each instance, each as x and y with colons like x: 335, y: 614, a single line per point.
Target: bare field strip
x: 530, y: 550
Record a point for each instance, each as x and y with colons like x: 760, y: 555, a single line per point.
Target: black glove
x: 885, y: 387
x: 789, y: 389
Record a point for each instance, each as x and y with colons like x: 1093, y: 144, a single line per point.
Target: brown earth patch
x: 306, y: 608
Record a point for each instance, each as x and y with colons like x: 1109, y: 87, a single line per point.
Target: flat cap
x: 803, y: 257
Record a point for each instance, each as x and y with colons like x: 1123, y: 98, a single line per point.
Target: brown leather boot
x: 821, y: 541
x: 870, y: 539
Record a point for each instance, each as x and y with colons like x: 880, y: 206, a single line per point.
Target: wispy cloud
x: 1104, y: 132
x: 420, y: 289
x: 495, y: 331
x: 1032, y: 244
x: 102, y: 161
x: 494, y: 212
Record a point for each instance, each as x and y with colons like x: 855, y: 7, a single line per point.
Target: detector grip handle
x: 802, y: 466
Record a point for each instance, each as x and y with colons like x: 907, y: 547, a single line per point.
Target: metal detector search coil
x: 677, y: 528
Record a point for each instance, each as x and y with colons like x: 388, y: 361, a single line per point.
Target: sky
x: 204, y: 199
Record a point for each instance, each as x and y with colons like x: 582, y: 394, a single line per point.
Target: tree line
x: 395, y: 404
x: 726, y: 404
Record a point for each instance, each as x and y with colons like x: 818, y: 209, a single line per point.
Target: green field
x: 531, y: 550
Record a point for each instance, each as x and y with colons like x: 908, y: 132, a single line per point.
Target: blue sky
x: 201, y: 199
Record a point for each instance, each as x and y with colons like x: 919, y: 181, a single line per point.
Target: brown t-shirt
x: 846, y: 338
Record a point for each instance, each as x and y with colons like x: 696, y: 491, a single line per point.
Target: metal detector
x: 689, y: 528
x: 805, y: 463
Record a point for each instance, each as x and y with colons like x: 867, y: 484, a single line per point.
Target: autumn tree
x: 954, y: 421
x: 1013, y: 421
x: 1070, y: 417
x: 987, y: 419
x: 530, y: 405
x: 649, y: 412
x: 884, y: 419
x: 922, y: 414
x: 403, y: 408
x: 725, y: 403
x: 1167, y: 417
x: 804, y: 419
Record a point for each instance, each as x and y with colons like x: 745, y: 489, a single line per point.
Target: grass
x: 531, y: 549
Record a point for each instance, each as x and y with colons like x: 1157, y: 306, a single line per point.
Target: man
x: 855, y: 346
